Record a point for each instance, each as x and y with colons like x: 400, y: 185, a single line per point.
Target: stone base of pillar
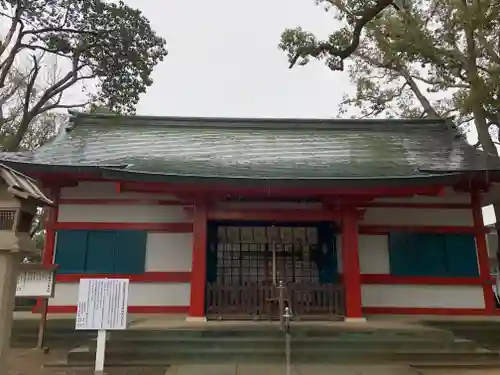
x: 355, y: 320
x: 9, y: 263
x: 196, y: 319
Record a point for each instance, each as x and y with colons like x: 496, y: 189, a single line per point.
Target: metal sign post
x: 287, y: 315
x: 281, y: 300
x: 102, y: 306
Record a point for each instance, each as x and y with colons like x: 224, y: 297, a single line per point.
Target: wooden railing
x: 316, y: 299
x: 262, y: 300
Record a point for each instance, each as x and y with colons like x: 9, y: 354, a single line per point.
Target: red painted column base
x: 352, y: 274
x: 199, y: 262
x: 482, y: 253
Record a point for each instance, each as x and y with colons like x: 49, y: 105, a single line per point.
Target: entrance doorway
x: 247, y: 261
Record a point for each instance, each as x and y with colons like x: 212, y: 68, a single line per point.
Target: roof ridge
x: 257, y: 122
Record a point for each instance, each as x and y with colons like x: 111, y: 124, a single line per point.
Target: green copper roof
x: 259, y: 149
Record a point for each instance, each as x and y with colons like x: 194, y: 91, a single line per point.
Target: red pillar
x: 350, y: 264
x: 50, y: 233
x: 199, y: 263
x: 49, y: 246
x: 482, y: 252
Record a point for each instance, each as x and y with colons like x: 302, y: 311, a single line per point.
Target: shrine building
x: 207, y: 216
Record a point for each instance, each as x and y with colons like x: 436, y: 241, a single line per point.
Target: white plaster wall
x: 268, y: 205
x: 440, y: 296
x: 374, y: 259
x: 489, y: 217
x: 373, y: 254
x: 169, y: 252
x: 122, y: 213
x: 140, y: 294
x: 449, y: 196
x: 106, y: 190
x: 492, y: 242
x: 417, y: 216
x: 165, y: 252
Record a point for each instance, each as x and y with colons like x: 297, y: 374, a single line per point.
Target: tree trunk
x: 477, y: 91
x: 424, y: 102
x: 14, y: 143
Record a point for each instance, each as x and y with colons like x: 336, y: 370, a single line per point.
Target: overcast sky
x: 224, y: 61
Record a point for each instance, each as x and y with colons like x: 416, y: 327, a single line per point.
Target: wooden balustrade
x: 254, y: 301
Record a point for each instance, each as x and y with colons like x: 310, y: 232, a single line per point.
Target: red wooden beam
x: 350, y: 263
x: 283, y: 215
x: 50, y: 233
x: 482, y: 251
x: 152, y: 227
x: 199, y: 262
x: 281, y: 192
x: 384, y: 279
x: 147, y: 277
x: 123, y: 202
x: 428, y: 311
x: 71, y: 309
x: 385, y: 229
x: 444, y: 206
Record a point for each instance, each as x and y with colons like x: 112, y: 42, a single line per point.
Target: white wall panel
x: 417, y: 216
x: 169, y: 252
x: 439, y: 296
x: 140, y: 294
x: 373, y: 254
x: 268, y: 205
x: 450, y: 196
x: 106, y: 190
x: 122, y: 213
x: 492, y: 242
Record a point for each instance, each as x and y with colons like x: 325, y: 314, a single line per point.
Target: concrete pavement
x: 277, y: 369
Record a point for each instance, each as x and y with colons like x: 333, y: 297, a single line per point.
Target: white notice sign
x: 102, y: 304
x: 35, y: 283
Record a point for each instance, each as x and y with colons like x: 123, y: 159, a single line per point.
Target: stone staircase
x: 484, y: 332
x: 59, y: 334
x: 266, y: 344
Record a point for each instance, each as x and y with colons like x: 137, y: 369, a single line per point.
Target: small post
x: 281, y: 301
x: 43, y: 324
x: 497, y: 284
x: 287, y: 315
x: 100, y: 352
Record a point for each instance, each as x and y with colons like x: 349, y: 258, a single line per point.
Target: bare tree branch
x: 366, y: 16
x: 13, y: 27
x: 59, y: 30
x: 6, y: 65
x: 63, y: 106
x: 25, y: 120
x: 436, y: 82
x: 488, y: 47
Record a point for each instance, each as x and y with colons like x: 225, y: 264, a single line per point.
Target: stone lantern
x: 19, y: 199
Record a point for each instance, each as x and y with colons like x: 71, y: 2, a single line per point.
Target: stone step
x: 247, y: 334
x: 84, y: 355
x: 279, y: 336
x: 486, y: 364
x: 296, y: 343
